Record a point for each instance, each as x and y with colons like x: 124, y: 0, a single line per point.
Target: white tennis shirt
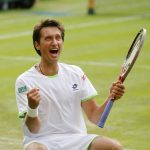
x: 61, y: 96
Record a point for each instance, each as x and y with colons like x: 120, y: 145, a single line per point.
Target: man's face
x: 50, y: 44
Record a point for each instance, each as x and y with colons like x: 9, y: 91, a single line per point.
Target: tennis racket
x: 126, y: 67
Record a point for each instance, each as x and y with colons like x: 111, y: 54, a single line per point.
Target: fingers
x: 33, y: 93
x: 33, y: 98
x: 117, y: 90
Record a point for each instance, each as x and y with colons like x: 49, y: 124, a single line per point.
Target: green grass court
x: 96, y: 43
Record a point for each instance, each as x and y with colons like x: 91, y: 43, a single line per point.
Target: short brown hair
x: 46, y: 23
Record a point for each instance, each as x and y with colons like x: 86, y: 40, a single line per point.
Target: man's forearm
x: 33, y: 124
x: 97, y: 113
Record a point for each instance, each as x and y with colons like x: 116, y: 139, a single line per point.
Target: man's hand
x: 33, y: 123
x: 117, y: 90
x: 33, y: 98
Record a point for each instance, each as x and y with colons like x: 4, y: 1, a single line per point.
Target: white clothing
x: 65, y: 141
x: 60, y: 106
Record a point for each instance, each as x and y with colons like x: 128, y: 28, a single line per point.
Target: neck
x: 48, y: 69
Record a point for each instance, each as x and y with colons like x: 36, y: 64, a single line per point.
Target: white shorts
x: 65, y: 141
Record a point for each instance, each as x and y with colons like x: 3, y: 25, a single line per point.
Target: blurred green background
x: 98, y: 44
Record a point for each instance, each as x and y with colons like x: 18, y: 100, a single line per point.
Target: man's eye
x: 58, y: 37
x: 48, y: 39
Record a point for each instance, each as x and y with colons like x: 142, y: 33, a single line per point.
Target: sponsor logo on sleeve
x: 84, y: 77
x: 22, y: 89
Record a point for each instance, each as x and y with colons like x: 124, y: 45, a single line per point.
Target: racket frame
x: 124, y: 72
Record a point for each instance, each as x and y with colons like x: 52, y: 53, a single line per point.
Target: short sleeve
x: 88, y: 90
x: 21, y: 98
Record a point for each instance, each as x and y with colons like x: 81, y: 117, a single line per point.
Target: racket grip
x: 105, y: 113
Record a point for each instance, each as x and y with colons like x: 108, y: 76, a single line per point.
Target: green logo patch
x: 22, y: 89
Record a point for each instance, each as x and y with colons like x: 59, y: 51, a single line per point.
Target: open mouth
x: 53, y: 51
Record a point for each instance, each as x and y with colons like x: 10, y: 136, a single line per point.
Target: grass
x: 96, y: 43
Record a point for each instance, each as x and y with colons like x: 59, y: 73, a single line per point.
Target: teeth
x: 53, y: 51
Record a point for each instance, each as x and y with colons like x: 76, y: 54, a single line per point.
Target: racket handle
x: 105, y: 113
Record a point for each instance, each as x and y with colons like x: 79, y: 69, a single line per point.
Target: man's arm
x: 32, y: 120
x: 33, y: 124
x: 94, y: 111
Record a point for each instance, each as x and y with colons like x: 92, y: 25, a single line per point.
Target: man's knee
x: 117, y: 146
x: 35, y: 146
x: 103, y: 143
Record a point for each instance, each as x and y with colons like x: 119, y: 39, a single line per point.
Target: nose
x: 54, y: 41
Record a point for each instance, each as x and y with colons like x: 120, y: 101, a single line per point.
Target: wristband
x: 32, y: 112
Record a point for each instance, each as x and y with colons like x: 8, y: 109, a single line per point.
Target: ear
x: 37, y: 45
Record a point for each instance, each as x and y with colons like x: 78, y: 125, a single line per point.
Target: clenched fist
x: 117, y: 90
x: 33, y: 98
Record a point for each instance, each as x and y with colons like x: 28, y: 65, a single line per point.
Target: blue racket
x: 126, y: 67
